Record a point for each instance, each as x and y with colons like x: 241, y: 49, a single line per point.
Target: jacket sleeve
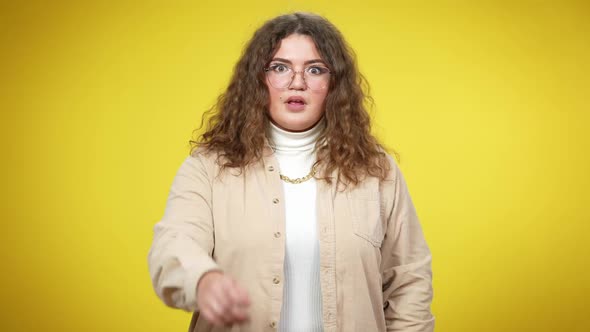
x: 183, y: 240
x: 406, y: 264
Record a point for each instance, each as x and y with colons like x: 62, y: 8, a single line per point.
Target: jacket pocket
x: 365, y: 211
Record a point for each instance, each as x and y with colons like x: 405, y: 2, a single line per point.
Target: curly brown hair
x: 237, y: 123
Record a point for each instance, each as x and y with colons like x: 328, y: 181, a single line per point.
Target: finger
x: 225, y: 315
x: 211, y: 317
x: 220, y: 300
x: 233, y: 292
x: 218, y: 294
x: 214, y: 308
x: 240, y: 314
x: 241, y: 305
x: 242, y: 296
x: 234, y: 312
x: 213, y: 301
x: 230, y: 295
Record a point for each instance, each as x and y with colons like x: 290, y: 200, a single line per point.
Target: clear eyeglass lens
x: 316, y: 78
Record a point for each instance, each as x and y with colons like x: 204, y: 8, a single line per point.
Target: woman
x: 287, y: 214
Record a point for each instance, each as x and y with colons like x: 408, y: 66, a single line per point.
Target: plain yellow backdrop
x: 486, y: 102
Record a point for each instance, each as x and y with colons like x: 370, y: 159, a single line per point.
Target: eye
x: 279, y: 68
x: 317, y: 70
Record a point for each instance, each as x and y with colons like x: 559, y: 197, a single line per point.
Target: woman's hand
x: 221, y: 300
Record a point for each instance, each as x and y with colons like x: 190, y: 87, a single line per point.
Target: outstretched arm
x: 183, y: 240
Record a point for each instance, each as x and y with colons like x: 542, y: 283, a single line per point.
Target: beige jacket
x: 375, y: 264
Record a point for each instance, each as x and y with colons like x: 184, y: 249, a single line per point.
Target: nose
x: 298, y: 83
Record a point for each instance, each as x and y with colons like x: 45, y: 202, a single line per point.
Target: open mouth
x: 295, y: 101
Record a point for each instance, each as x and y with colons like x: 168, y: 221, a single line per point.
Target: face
x: 296, y: 107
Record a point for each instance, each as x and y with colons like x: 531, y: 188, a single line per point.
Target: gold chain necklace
x: 300, y: 180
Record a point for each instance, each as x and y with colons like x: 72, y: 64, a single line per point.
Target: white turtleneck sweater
x: 302, y: 297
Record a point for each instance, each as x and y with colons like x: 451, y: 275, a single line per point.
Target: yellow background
x: 487, y: 103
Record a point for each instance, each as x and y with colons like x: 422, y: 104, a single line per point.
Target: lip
x: 295, y: 103
x: 296, y: 98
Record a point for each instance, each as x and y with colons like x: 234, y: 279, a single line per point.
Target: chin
x: 299, y: 126
x: 293, y: 121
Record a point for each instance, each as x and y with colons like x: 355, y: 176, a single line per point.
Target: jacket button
x: 276, y: 201
x: 270, y: 168
x: 273, y: 324
x: 277, y: 234
x: 276, y: 280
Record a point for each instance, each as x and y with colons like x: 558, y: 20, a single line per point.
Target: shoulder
x: 199, y: 162
x: 204, y: 156
x: 213, y: 163
x: 393, y: 171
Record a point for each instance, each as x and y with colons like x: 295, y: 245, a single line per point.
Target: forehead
x: 297, y: 48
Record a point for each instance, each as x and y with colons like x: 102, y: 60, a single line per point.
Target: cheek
x: 320, y: 99
x: 274, y: 98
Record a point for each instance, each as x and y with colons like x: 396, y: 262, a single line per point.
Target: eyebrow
x: 305, y: 63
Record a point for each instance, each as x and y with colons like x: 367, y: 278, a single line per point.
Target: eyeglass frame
x: 267, y: 69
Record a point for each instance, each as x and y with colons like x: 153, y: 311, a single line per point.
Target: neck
x: 288, y: 141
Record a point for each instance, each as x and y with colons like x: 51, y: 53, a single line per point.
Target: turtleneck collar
x: 287, y: 141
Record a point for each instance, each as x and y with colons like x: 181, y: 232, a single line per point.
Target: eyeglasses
x: 280, y: 76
